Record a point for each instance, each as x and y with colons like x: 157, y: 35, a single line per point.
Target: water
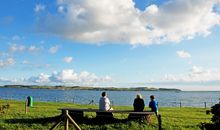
x: 123, y: 98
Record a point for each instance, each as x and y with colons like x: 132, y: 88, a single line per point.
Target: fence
x: 84, y: 100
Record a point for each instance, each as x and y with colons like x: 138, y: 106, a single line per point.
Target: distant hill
x: 91, y: 88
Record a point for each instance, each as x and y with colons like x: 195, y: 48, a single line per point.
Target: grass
x: 44, y: 114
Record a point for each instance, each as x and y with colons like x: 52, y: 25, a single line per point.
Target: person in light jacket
x: 104, y: 103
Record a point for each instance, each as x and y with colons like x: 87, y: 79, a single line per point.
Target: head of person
x: 138, y: 96
x: 152, y: 97
x: 104, y: 94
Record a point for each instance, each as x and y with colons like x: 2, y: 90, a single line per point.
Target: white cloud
x: 7, y: 62
x: 197, y: 70
x: 183, y: 54
x: 34, y: 49
x: 69, y: 76
x: 152, y: 9
x: 39, y: 8
x: 61, y: 9
x: 13, y: 48
x: 4, y: 54
x: 5, y: 80
x: 93, y: 21
x: 53, y: 49
x: 68, y: 59
x: 16, y: 48
x: 42, y: 78
x: 25, y: 62
x: 197, y: 74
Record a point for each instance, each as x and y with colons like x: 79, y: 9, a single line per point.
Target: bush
x: 215, y: 125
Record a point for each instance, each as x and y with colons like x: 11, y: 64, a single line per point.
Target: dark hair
x: 103, y: 94
x: 152, y: 97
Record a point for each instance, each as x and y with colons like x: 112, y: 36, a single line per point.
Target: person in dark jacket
x: 138, y: 103
x: 138, y: 107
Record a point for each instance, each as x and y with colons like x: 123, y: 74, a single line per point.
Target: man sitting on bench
x: 104, y: 105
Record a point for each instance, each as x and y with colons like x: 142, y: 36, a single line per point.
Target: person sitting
x: 138, y: 107
x: 153, y: 104
x: 138, y: 103
x: 104, y: 105
x: 104, y: 102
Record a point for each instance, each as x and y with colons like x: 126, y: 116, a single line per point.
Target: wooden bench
x: 77, y: 113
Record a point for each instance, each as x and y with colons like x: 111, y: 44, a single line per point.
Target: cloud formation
x: 39, y: 8
x: 7, y: 62
x: 197, y: 74
x: 69, y: 76
x: 95, y: 22
x: 34, y: 49
x: 53, y: 49
x: 16, y: 48
x: 68, y: 59
x: 183, y: 54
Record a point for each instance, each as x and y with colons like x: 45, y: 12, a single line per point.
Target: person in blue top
x: 153, y: 104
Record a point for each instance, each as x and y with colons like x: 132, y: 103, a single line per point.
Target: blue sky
x: 156, y: 43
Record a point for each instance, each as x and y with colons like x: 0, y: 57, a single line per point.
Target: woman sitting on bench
x: 138, y: 107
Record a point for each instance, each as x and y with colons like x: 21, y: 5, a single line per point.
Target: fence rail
x: 80, y: 100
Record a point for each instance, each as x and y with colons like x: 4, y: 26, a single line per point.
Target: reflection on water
x: 125, y: 98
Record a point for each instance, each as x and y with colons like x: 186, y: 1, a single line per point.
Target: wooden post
x: 66, y: 117
x: 112, y: 103
x: 159, y: 122
x: 66, y: 124
x: 180, y: 104
x: 25, y: 106
x: 57, y: 124
x: 71, y: 120
x: 205, y: 104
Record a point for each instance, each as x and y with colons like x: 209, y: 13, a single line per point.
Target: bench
x: 69, y: 114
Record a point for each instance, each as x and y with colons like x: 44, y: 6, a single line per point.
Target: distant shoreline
x: 90, y: 88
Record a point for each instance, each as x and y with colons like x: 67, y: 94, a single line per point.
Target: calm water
x: 125, y: 98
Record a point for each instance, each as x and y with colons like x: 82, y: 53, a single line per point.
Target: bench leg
x: 57, y: 124
x: 73, y: 122
x: 66, y: 124
x: 66, y: 118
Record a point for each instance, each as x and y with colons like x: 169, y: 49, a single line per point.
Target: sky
x: 123, y: 43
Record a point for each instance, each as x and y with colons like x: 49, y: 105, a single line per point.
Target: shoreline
x: 91, y: 88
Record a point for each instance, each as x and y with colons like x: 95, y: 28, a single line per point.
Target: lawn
x: 44, y: 114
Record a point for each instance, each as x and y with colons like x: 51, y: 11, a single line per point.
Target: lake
x: 123, y: 98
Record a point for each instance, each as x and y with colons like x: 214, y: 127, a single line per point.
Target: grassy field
x: 44, y: 114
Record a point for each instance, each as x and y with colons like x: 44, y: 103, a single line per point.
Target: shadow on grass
x: 82, y: 120
x: 44, y: 120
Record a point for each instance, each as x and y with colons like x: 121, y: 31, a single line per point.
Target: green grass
x: 42, y: 116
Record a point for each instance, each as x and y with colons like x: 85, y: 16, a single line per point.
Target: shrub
x: 215, y: 125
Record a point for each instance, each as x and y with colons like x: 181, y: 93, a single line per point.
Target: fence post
x: 159, y: 122
x: 25, y: 106
x: 180, y: 104
x: 112, y: 103
x: 205, y: 104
